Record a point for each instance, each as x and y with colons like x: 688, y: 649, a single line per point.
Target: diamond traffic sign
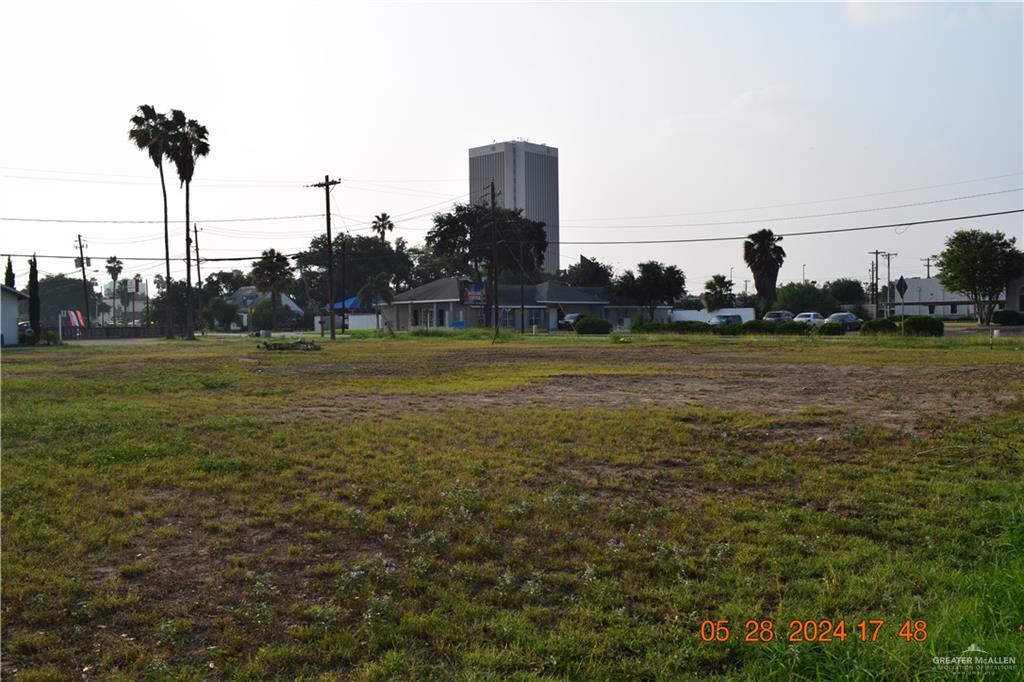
x: 901, y: 287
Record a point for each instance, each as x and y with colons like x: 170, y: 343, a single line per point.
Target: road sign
x: 901, y: 287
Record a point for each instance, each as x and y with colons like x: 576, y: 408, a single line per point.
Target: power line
x: 799, y: 217
x: 813, y: 201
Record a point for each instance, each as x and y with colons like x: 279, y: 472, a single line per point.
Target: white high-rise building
x: 525, y: 176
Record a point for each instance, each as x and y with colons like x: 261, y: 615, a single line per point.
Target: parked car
x: 849, y: 321
x: 568, y: 323
x: 810, y: 318
x: 719, y: 320
x: 778, y: 316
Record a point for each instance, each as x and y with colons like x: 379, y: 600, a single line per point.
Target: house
x: 249, y: 297
x: 1015, y: 294
x: 9, y: 315
x: 458, y: 303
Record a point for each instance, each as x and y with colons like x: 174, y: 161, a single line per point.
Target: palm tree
x: 186, y: 142
x: 114, y: 268
x: 149, y: 132
x: 764, y: 256
x: 377, y: 288
x: 271, y: 273
x: 382, y: 225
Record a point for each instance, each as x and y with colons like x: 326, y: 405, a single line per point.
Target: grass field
x: 543, y: 508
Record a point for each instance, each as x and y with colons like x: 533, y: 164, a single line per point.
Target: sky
x: 667, y: 117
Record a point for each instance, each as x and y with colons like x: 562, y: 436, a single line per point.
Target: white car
x: 810, y: 318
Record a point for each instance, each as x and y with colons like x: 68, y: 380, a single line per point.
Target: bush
x: 680, y: 327
x: 831, y: 330
x: 733, y: 329
x: 882, y: 325
x: 793, y: 328
x: 592, y: 325
x: 1007, y: 317
x: 759, y: 327
x: 922, y: 325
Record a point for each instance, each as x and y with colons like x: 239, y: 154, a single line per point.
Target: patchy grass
x: 542, y: 508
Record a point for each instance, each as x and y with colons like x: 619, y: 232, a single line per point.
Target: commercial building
x: 525, y: 176
x: 927, y: 296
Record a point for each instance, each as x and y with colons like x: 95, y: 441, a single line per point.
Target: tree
x: 979, y: 265
x: 114, y: 269
x: 805, y: 297
x: 173, y: 297
x: 9, y: 274
x: 463, y: 240
x: 377, y: 288
x: 656, y: 285
x: 426, y: 267
x: 33, y: 299
x: 186, y: 143
x: 764, y: 257
x: 124, y: 295
x: 150, y: 132
x: 718, y: 293
x: 224, y: 282
x: 846, y: 290
x: 588, y: 273
x: 271, y: 273
x: 382, y: 225
x: 218, y: 312
x: 365, y: 256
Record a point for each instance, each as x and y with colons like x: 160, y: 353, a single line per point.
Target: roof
x: 12, y: 290
x: 439, y: 290
x: 249, y: 295
x: 556, y: 292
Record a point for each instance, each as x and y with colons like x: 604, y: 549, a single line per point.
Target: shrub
x: 733, y: 329
x: 831, y: 330
x: 759, y: 327
x: 882, y: 325
x: 793, y: 328
x: 691, y: 327
x: 922, y: 325
x: 1007, y: 317
x: 592, y: 325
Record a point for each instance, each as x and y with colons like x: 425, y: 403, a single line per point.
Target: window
x: 533, y: 316
x: 931, y: 309
x: 416, y: 317
x: 440, y: 318
x: 508, y: 318
x: 952, y: 308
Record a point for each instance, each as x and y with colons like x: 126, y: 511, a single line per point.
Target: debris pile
x: 301, y: 344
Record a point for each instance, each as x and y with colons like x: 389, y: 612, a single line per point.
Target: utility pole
x: 190, y: 322
x: 522, y: 286
x: 928, y: 265
x: 890, y: 300
x: 874, y: 280
x: 494, y: 258
x: 85, y: 282
x: 199, y: 275
x: 344, y: 294
x: 745, y: 286
x: 327, y: 184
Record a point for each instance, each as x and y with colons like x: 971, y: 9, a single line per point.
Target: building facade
x: 927, y: 296
x: 525, y: 177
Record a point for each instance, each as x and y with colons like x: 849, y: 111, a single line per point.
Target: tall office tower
x: 525, y: 176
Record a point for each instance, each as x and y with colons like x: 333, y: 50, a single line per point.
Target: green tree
x: 657, y: 284
x: 805, y: 297
x: 114, y: 268
x: 718, y: 293
x: 382, y: 224
x: 150, y: 132
x: 218, y: 312
x: 364, y: 256
x: 764, y: 257
x: 846, y: 290
x: 426, y: 267
x: 9, y: 274
x: 224, y: 282
x: 33, y: 299
x: 271, y: 274
x: 979, y: 265
x: 377, y: 288
x: 186, y: 143
x: 124, y: 295
x: 588, y: 273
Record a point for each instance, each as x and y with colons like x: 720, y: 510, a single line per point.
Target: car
x: 778, y: 316
x: 568, y: 323
x: 848, y: 321
x: 719, y: 320
x: 814, y: 319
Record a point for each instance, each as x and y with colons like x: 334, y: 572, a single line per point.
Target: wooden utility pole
x: 494, y: 259
x: 890, y: 300
x: 928, y: 265
x: 874, y: 280
x: 344, y: 289
x: 190, y: 329
x: 85, y: 282
x: 199, y: 275
x: 327, y: 184
x: 522, y: 286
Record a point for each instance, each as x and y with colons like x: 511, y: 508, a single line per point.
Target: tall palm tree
x: 271, y: 273
x: 114, y: 268
x: 382, y: 225
x: 377, y: 288
x: 764, y: 257
x: 149, y: 132
x: 186, y: 143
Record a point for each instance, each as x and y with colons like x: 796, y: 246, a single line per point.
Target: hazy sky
x: 656, y: 109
